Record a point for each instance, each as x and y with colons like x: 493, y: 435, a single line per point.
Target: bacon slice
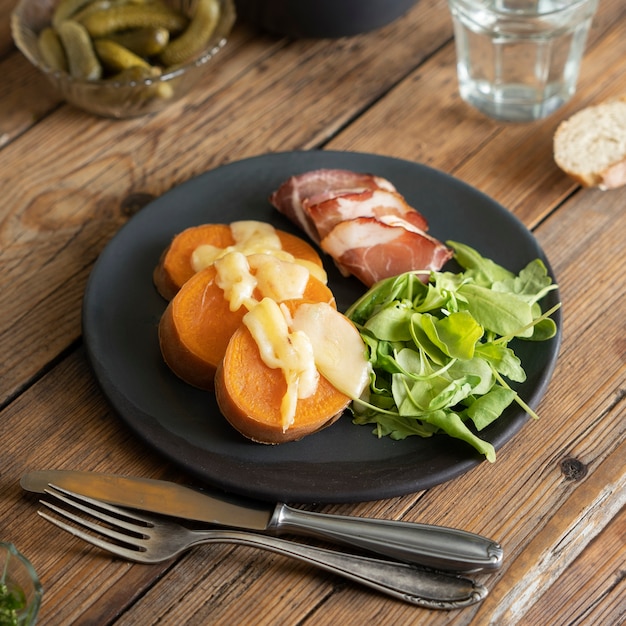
x: 318, y: 186
x: 378, y: 203
x: 371, y: 249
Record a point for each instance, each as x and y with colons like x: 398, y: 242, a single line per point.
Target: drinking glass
x: 519, y: 60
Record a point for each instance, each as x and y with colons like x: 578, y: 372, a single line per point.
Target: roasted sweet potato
x: 175, y: 266
x: 197, y: 324
x: 251, y: 389
x: 249, y: 395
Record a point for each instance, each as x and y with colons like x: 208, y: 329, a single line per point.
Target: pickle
x: 100, y: 5
x: 116, y: 57
x: 92, y: 7
x: 195, y: 37
x: 81, y: 58
x: 51, y: 50
x: 125, y: 17
x: 66, y: 9
x: 135, y: 74
x: 146, y: 42
x: 144, y: 90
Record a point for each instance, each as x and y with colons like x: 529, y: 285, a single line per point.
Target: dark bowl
x: 321, y: 18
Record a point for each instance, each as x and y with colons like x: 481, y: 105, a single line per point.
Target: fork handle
x: 439, y: 547
x: 425, y: 588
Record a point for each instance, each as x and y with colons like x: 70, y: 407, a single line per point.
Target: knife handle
x: 432, y: 546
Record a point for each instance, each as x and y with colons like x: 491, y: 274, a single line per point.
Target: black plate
x: 343, y: 463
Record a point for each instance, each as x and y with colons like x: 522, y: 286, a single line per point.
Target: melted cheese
x: 277, y: 279
x: 316, y: 340
x: 338, y: 349
x: 238, y: 276
x: 281, y: 348
x: 251, y: 237
x: 234, y: 278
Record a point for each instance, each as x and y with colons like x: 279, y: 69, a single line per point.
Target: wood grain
x: 69, y: 181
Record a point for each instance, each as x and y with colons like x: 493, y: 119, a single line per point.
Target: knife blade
x: 438, y: 547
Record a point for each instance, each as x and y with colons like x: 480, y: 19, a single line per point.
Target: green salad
x: 440, y: 350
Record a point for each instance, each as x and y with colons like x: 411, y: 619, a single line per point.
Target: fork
x: 151, y: 539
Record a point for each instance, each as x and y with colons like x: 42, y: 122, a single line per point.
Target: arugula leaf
x: 454, y: 426
x: 456, y: 334
x: 489, y: 407
x: 501, y: 312
x: 482, y: 270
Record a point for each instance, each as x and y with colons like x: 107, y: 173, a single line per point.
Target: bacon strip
x: 318, y: 186
x: 372, y: 250
x: 371, y: 203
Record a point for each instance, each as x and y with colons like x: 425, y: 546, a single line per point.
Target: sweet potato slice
x: 175, y: 266
x: 249, y: 394
x: 197, y: 324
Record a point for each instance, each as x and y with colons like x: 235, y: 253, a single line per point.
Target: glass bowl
x: 114, y: 97
x: 20, y: 589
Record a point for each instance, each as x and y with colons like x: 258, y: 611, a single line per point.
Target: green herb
x: 440, y: 349
x: 11, y: 601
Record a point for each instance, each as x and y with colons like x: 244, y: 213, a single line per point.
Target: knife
x: 438, y: 547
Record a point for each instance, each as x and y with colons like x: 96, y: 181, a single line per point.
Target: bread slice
x: 590, y: 146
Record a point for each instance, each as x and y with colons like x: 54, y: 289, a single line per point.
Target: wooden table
x: 69, y: 181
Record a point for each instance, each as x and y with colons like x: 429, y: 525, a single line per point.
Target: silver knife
x: 438, y: 547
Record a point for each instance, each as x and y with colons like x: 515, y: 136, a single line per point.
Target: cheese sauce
x: 238, y: 276
x: 281, y: 348
x: 251, y: 237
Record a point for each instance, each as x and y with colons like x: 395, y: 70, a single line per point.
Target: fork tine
x: 135, y: 542
x: 80, y: 502
x: 126, y: 553
x: 93, y: 526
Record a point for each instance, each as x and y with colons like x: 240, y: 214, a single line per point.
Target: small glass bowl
x: 111, y: 97
x: 20, y: 589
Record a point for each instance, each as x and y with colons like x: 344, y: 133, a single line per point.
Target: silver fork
x: 150, y: 539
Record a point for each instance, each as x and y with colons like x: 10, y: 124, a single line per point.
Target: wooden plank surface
x: 69, y: 181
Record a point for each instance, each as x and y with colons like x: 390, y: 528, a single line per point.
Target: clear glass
x: 519, y: 60
x: 20, y: 589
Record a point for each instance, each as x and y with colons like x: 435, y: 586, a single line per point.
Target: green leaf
x: 477, y: 367
x: 454, y: 426
x: 484, y: 271
x: 391, y: 323
x: 486, y: 409
x: 423, y: 342
x: 503, y: 360
x: 502, y: 313
x: 544, y: 329
x: 413, y: 397
x: 532, y: 283
x: 459, y: 332
x: 454, y: 393
x: 396, y: 427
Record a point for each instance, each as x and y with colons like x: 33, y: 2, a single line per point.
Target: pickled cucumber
x: 145, y: 90
x: 81, y: 57
x: 66, y: 9
x: 196, y: 36
x: 128, y: 16
x: 51, y: 50
x: 116, y: 57
x: 146, y: 42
